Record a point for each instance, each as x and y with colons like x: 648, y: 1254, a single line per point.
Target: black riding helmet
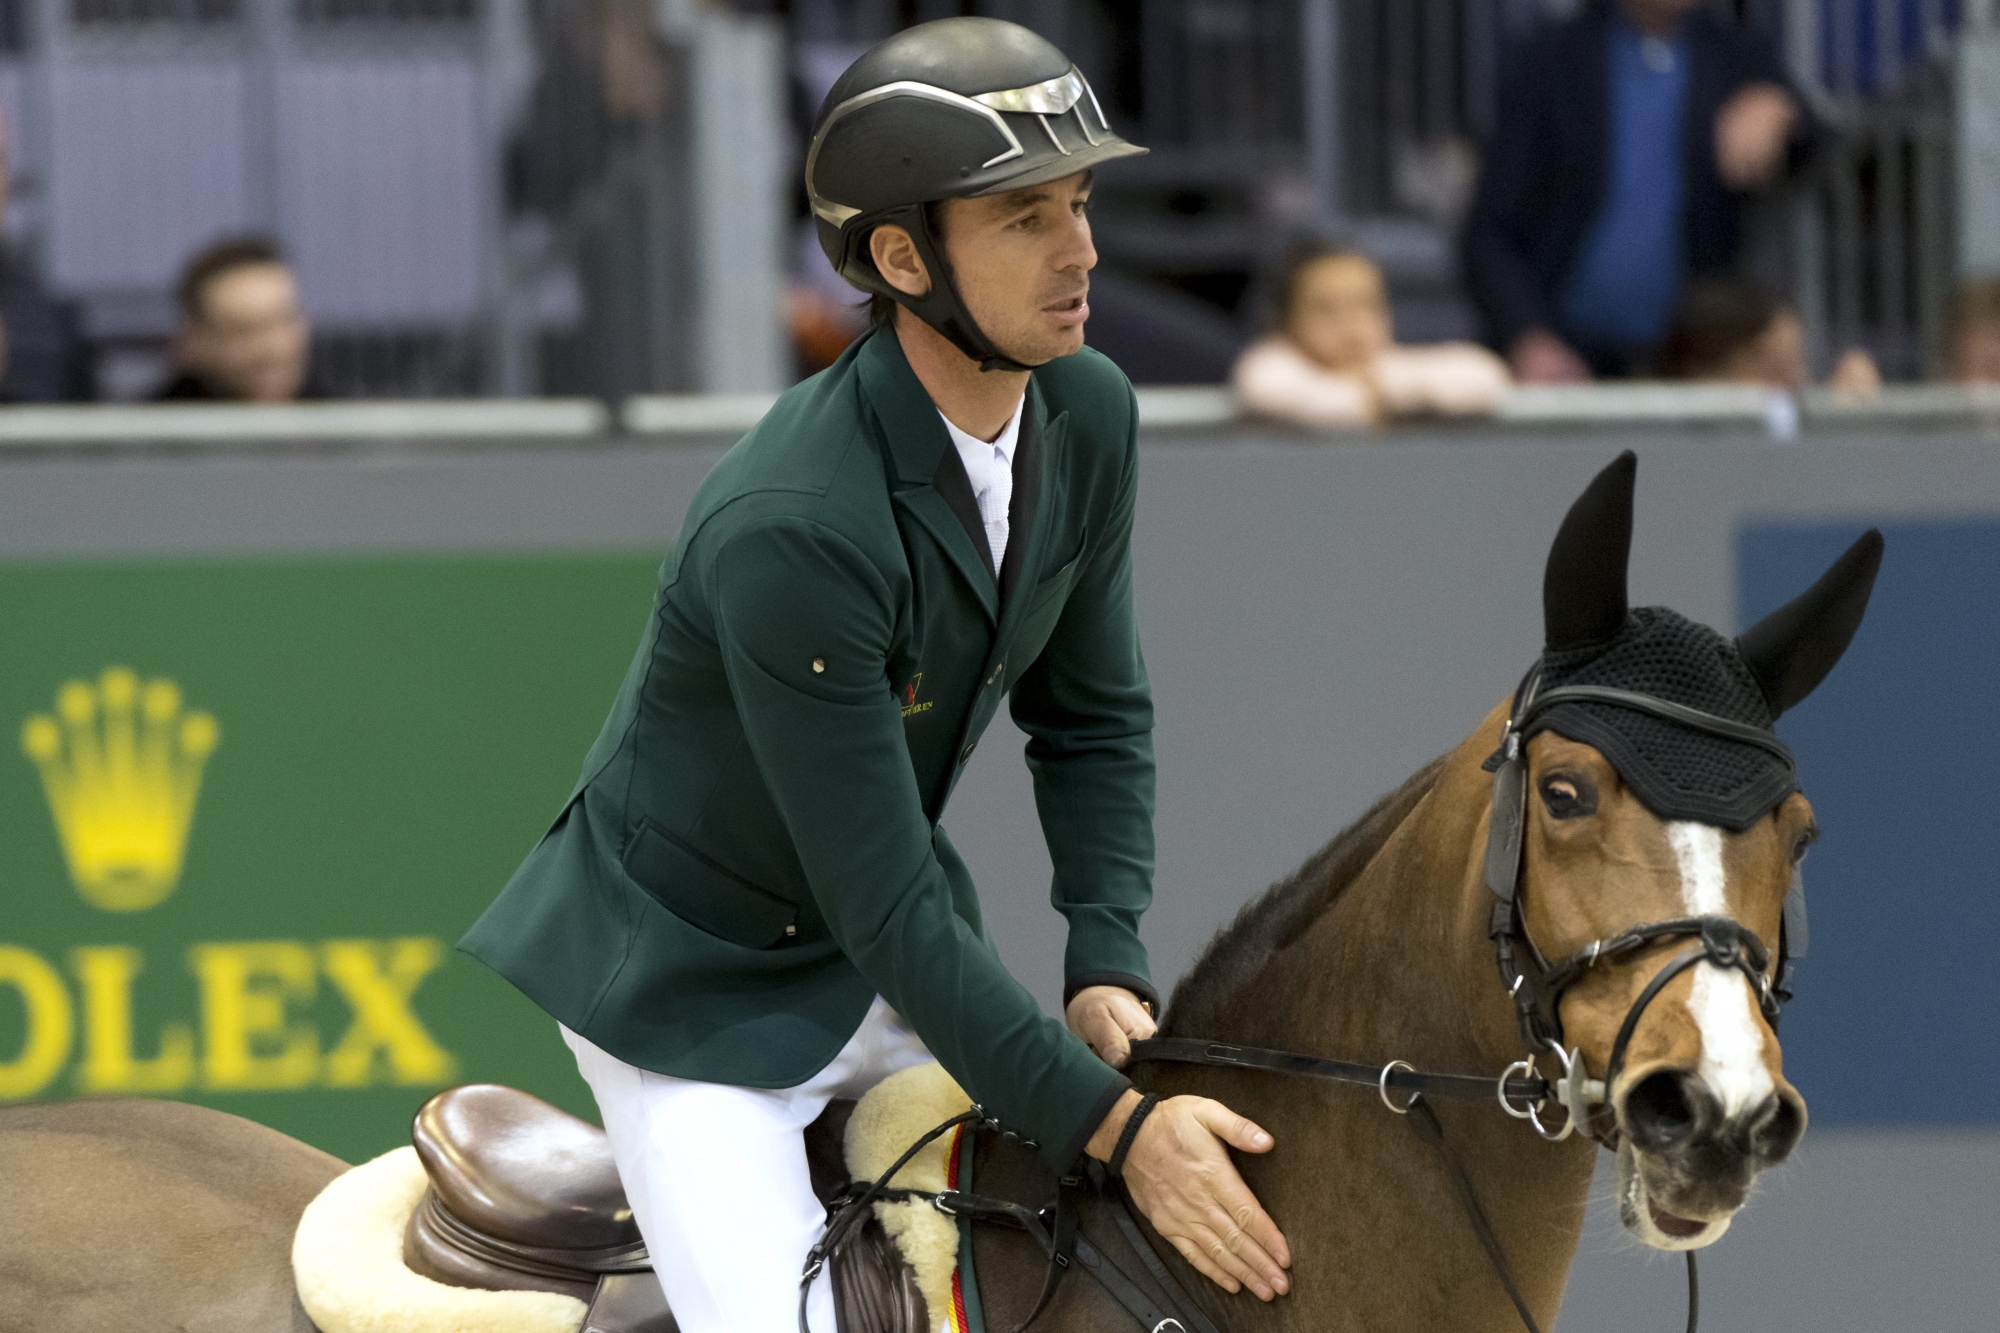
x: 946, y: 110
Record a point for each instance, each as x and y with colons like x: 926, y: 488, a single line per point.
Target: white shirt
x: 990, y: 467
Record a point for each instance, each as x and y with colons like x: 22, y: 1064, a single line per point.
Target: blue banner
x: 1897, y: 1016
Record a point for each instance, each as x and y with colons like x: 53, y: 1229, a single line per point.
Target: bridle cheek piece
x: 1722, y: 941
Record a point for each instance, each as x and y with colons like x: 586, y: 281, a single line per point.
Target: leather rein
x: 1520, y: 1089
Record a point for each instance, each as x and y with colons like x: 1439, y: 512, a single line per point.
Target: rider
x: 748, y: 906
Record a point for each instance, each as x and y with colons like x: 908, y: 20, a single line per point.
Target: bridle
x: 1720, y: 940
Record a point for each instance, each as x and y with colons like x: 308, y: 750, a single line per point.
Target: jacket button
x: 819, y: 665
x: 996, y: 673
x: 966, y: 754
x: 791, y: 932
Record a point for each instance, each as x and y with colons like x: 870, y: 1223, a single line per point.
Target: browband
x: 1714, y: 724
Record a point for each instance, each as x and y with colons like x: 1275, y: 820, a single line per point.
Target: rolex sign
x: 252, y: 805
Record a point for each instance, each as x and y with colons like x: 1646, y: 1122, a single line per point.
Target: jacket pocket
x: 704, y: 894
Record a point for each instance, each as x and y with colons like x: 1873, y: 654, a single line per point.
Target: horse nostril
x: 1662, y: 1110
x: 1778, y: 1128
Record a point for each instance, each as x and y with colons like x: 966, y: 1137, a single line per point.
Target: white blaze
x: 1732, y: 1040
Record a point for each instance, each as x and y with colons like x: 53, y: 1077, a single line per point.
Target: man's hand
x: 1109, y: 1019
x: 1750, y: 133
x: 1180, y: 1175
x: 1539, y: 357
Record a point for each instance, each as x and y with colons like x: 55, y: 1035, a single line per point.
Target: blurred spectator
x: 243, y: 337
x: 1975, y: 333
x: 1734, y: 332
x: 43, y: 358
x: 824, y: 313
x: 1625, y: 146
x: 1335, y: 363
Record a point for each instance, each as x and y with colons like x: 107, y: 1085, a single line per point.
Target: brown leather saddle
x: 525, y: 1197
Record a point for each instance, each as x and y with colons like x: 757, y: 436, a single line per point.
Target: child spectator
x: 1975, y: 333
x: 1729, y: 331
x: 1335, y: 363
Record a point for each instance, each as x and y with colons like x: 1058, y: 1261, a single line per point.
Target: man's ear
x: 897, y: 260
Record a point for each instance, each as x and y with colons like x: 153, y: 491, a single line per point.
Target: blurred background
x: 528, y: 197
x: 361, y: 358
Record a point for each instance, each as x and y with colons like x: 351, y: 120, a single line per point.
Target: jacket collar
x: 919, y: 452
x: 911, y: 426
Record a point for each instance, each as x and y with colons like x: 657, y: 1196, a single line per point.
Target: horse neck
x: 1399, y: 967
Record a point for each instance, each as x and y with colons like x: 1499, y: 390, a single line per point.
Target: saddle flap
x: 511, y: 1166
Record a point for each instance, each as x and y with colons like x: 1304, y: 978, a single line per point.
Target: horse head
x: 1657, y: 859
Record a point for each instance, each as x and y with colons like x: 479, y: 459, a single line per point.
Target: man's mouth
x: 1071, y: 309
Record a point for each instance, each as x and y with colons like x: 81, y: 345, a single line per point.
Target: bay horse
x: 141, y: 1215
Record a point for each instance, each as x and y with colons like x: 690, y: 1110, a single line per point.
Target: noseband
x: 1721, y: 940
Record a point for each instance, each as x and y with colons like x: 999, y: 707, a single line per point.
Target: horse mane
x: 1281, y: 914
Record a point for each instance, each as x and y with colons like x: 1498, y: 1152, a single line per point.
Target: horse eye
x: 1568, y: 796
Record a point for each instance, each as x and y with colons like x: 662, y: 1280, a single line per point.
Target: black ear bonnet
x: 1680, y: 772
x: 1675, y: 771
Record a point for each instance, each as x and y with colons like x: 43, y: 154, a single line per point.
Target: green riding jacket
x: 753, y: 852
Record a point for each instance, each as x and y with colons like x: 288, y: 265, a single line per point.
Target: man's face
x: 251, y: 339
x: 1022, y: 264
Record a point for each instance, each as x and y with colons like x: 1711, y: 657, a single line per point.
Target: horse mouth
x: 1659, y: 1227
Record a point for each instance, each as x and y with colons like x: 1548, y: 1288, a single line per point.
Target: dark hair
x: 1978, y: 302
x: 218, y: 259
x: 1714, y: 320
x: 1301, y: 256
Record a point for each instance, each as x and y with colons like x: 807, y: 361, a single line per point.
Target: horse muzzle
x: 1685, y: 1164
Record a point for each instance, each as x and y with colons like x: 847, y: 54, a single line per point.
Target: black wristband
x: 1116, y: 1166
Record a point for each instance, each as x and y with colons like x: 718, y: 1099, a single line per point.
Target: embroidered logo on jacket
x: 910, y: 705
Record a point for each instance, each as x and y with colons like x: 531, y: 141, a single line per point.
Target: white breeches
x: 716, y: 1176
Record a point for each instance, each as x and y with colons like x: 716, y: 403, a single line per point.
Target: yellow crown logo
x: 121, y: 763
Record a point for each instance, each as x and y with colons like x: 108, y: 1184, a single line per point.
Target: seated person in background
x: 243, y: 337
x: 1729, y: 331
x: 1975, y: 333
x: 1335, y: 362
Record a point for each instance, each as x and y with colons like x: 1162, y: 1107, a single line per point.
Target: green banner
x: 248, y: 807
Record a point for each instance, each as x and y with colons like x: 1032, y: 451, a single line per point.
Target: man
x: 748, y: 905
x: 243, y: 336
x: 1626, y: 145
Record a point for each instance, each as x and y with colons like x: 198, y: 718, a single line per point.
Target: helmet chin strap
x: 941, y: 307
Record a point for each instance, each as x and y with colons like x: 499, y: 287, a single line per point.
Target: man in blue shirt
x: 1627, y: 142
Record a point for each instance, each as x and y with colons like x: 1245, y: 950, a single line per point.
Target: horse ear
x: 1791, y: 650
x: 1583, y: 588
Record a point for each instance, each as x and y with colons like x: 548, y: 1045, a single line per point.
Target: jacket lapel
x: 1037, y: 464
x: 1025, y: 502
x: 916, y: 447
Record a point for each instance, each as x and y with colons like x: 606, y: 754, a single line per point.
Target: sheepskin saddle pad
x: 506, y: 1216
x: 894, y: 1114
